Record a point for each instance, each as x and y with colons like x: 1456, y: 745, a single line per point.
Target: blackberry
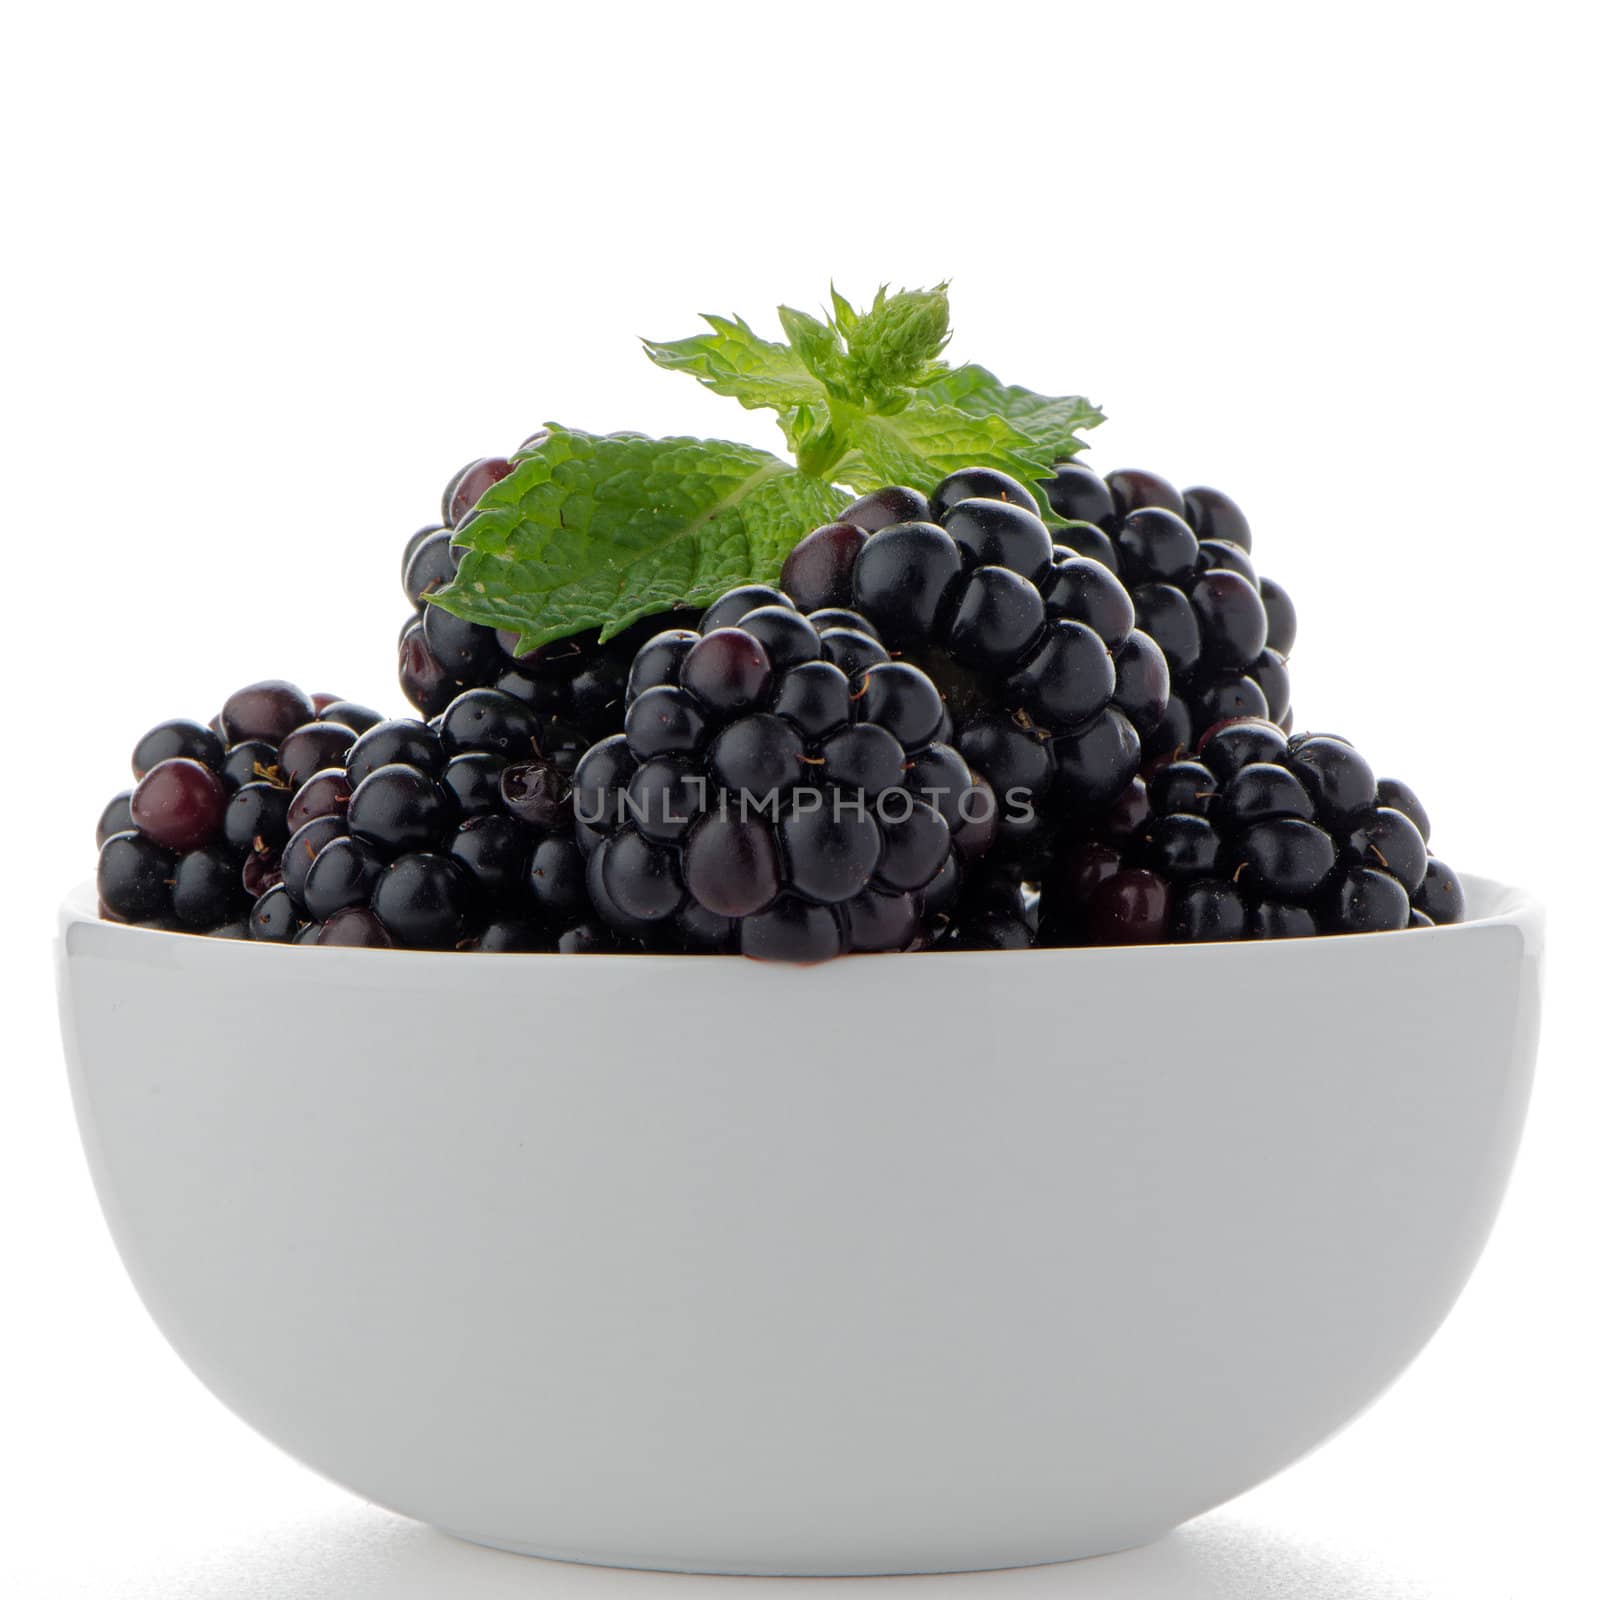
x: 1186, y: 558
x: 788, y: 809
x: 1046, y: 680
x: 1258, y: 836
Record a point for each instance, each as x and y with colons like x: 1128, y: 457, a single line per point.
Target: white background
x: 275, y: 272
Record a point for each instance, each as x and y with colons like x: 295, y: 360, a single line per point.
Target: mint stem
x: 822, y: 452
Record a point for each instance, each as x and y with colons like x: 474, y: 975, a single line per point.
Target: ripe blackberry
x: 789, y: 809
x: 1257, y: 836
x: 1226, y: 633
x: 1047, y: 683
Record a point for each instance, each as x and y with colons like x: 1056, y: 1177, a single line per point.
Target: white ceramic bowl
x: 904, y: 1263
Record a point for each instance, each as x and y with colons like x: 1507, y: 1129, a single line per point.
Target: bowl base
x: 906, y: 1567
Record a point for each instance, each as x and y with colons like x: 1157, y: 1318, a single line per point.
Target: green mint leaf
x: 818, y: 345
x: 731, y: 360
x: 597, y: 531
x: 1051, y: 423
x: 922, y: 443
x: 845, y: 316
x: 896, y: 344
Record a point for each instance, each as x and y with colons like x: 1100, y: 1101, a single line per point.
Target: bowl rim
x: 1504, y: 905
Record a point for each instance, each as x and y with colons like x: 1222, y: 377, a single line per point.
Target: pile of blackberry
x: 1259, y: 835
x: 953, y: 726
x: 574, y: 685
x: 1185, y: 557
x: 290, y: 820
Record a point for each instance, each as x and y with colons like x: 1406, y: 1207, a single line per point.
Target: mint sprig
x: 842, y: 375
x: 595, y: 532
